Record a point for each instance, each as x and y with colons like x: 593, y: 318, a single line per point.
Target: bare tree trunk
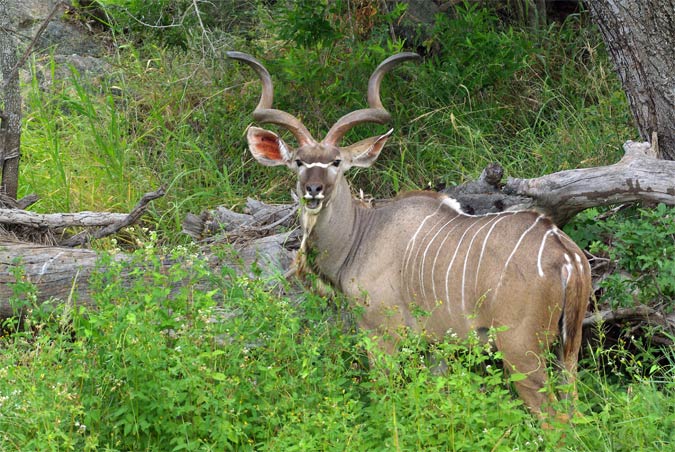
x: 10, y: 108
x: 640, y: 37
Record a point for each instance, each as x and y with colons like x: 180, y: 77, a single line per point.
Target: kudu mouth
x: 313, y: 204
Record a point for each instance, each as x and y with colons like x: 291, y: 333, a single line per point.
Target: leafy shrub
x: 182, y: 357
x: 626, y: 397
x: 175, y: 22
x: 306, y: 22
x: 477, y: 52
x: 640, y: 243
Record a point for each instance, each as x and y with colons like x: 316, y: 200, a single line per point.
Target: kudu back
x: 515, y: 272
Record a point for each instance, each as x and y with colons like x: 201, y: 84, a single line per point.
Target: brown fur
x: 514, y: 271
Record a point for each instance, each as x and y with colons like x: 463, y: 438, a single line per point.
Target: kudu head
x: 319, y: 165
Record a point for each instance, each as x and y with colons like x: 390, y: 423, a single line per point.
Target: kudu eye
x: 298, y: 163
x: 337, y: 162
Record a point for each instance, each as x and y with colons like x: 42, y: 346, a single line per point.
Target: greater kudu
x: 512, y: 271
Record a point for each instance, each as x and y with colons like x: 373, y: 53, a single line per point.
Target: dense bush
x: 639, y: 244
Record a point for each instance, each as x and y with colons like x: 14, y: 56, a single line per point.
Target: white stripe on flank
x: 433, y: 265
x: 522, y: 236
x: 569, y: 268
x: 580, y: 264
x: 466, y: 256
x: 411, y: 243
x: 447, y: 272
x: 566, y: 268
x: 482, y: 250
x: 420, y: 268
x: 540, y: 270
x: 562, y: 236
x: 438, y: 252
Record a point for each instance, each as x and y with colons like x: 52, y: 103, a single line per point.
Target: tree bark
x: 63, y: 274
x: 59, y: 220
x: 640, y: 37
x: 10, y: 108
x: 57, y: 273
x: 638, y: 176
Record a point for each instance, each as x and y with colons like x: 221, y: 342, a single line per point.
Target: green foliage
x: 182, y: 357
x: 81, y: 139
x: 626, y: 395
x: 306, y: 22
x: 640, y: 243
x: 162, y: 19
x: 536, y: 103
x: 477, y: 52
x: 214, y: 364
x: 176, y: 23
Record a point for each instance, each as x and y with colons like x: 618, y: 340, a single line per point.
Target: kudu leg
x: 528, y: 358
x: 385, y: 334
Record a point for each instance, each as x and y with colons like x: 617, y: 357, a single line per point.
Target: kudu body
x: 513, y: 271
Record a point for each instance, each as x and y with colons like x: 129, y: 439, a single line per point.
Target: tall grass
x: 536, y: 102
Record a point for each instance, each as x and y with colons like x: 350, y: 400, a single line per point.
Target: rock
x: 69, y: 41
x: 416, y: 24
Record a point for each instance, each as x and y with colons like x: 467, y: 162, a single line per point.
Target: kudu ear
x: 365, y: 152
x: 267, y: 147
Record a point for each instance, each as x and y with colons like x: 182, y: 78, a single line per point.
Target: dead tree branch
x: 59, y: 220
x: 638, y: 176
x: 85, y: 237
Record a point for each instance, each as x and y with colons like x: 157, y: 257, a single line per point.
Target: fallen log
x: 62, y: 273
x: 112, y: 228
x: 57, y: 273
x: 59, y: 220
x: 634, y: 317
x: 25, y: 225
x: 258, y: 219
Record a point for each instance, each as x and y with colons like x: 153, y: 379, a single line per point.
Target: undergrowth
x: 188, y: 356
x: 637, y: 244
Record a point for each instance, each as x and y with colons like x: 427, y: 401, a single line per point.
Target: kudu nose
x: 313, y: 190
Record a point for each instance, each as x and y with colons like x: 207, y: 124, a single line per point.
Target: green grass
x: 224, y: 364
x: 230, y: 366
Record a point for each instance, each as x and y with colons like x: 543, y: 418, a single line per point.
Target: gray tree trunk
x: 10, y: 108
x: 640, y: 37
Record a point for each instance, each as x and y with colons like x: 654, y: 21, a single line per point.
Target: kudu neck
x: 334, y: 232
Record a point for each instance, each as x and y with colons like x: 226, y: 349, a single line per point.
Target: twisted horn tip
x: 403, y: 56
x: 241, y: 56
